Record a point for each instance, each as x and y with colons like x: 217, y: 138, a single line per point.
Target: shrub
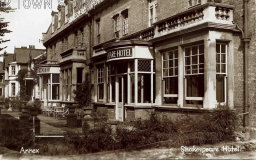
x: 12, y: 136
x: 209, y: 128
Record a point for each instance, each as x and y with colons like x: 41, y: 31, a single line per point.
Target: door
x: 120, y: 99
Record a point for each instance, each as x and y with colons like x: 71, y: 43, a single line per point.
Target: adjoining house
x: 20, y: 60
x: 171, y: 57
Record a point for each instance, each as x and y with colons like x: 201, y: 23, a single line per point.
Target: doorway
x: 121, y: 97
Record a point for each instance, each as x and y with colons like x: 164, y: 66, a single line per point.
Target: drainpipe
x: 246, y: 41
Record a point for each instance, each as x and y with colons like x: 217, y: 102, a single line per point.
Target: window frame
x: 13, y: 89
x: 13, y: 70
x: 100, y: 80
x: 191, y: 3
x: 174, y: 67
x: 117, y: 21
x: 191, y: 70
x: 152, y: 16
x: 125, y: 25
x: 98, y: 31
x: 224, y: 74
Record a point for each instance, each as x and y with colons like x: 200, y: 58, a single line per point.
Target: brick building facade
x: 161, y: 56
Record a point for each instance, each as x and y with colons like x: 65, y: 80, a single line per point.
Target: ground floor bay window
x: 130, y: 81
x: 49, y: 87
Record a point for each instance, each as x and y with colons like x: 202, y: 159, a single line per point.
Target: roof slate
x: 21, y: 55
x: 8, y: 58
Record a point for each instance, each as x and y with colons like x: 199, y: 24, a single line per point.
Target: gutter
x: 246, y: 41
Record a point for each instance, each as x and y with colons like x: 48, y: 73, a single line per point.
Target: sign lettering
x: 119, y: 53
x: 43, y: 70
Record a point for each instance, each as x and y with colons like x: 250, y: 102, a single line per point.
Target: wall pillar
x: 209, y: 72
x: 180, y: 77
x: 230, y: 75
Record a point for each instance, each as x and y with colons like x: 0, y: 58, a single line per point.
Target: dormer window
x: 192, y: 3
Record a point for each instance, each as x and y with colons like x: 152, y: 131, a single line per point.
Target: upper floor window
x: 1, y: 91
x: 13, y: 70
x: 98, y: 31
x: 125, y: 22
x: 82, y: 37
x: 117, y: 26
x: 192, y: 3
x: 66, y: 13
x: 152, y: 12
x: 76, y: 39
x: 59, y: 18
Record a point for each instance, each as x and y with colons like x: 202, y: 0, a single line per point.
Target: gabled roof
x: 21, y: 55
x: 7, y: 59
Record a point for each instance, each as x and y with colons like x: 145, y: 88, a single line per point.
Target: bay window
x: 192, y: 3
x: 194, y: 74
x: 170, y: 76
x: 221, y: 72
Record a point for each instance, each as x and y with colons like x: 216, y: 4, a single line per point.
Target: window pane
x: 194, y: 51
x: 176, y: 62
x: 176, y: 53
x: 218, y: 68
x: 195, y: 86
x: 187, y: 51
x: 187, y: 68
x: 194, y: 60
x: 201, y: 59
x: 171, y: 63
x: 132, y: 88
x: 171, y: 72
x: 187, y: 60
x: 165, y: 63
x: 171, y: 85
x: 101, y: 91
x: 165, y: 72
x: 201, y: 49
x: 223, y: 48
x: 223, y: 68
x: 55, y: 91
x: 113, y: 85
x: 176, y: 71
x: 218, y: 58
x: 223, y: 58
x: 220, y: 89
x: 218, y: 48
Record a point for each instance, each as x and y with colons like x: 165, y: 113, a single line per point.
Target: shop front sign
x: 120, y: 53
x: 43, y: 70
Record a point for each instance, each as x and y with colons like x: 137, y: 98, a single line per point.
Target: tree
x: 83, y: 92
x: 3, y: 25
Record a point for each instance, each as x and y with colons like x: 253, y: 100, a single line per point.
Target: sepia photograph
x: 127, y: 79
